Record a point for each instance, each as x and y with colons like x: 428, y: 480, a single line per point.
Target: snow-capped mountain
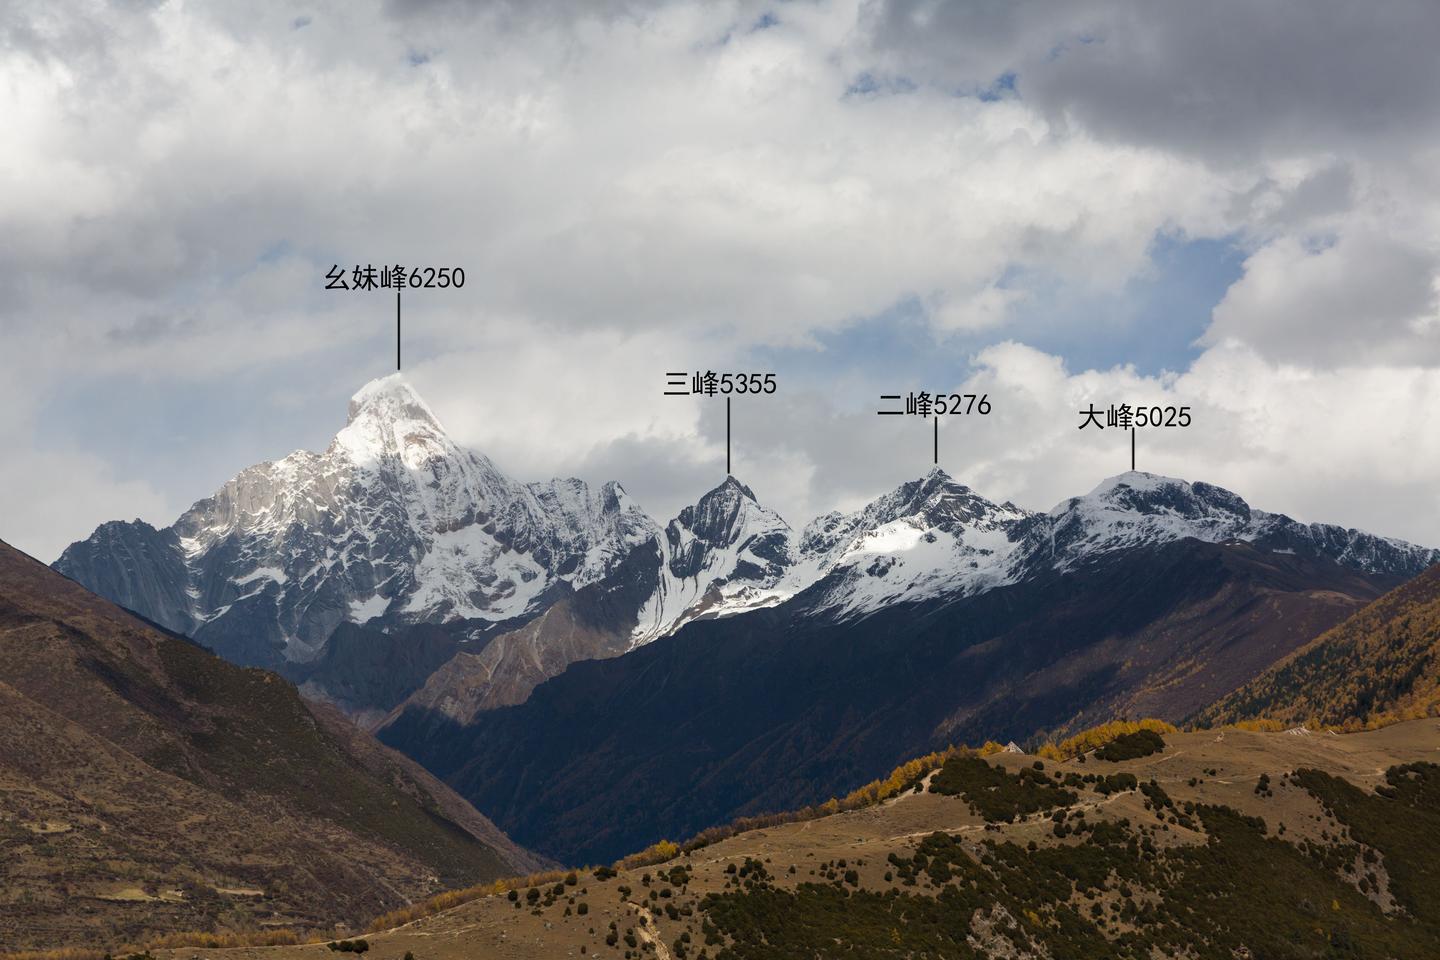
x: 927, y: 537
x: 396, y: 526
x: 393, y: 520
x: 936, y: 537
x: 721, y: 556
x: 1135, y: 509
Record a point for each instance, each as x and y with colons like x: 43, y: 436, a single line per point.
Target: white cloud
x: 636, y: 187
x: 1322, y: 445
x: 40, y: 487
x: 1364, y: 299
x: 1350, y: 445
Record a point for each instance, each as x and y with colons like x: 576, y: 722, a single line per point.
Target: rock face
x: 138, y: 566
x: 725, y: 554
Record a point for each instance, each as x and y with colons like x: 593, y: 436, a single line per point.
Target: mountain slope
x: 722, y: 556
x: 149, y: 785
x: 930, y: 539
x: 781, y: 707
x: 1381, y: 663
x: 1224, y: 847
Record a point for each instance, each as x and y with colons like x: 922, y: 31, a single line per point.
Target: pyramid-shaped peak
x: 731, y: 485
x: 391, y: 398
x: 933, y: 482
x: 723, y: 511
x: 936, y: 478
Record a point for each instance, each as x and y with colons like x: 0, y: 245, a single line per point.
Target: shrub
x: 1131, y: 746
x: 349, y: 946
x: 1092, y: 739
x: 997, y: 795
x: 1116, y: 783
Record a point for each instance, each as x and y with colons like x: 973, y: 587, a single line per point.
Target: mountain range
x: 398, y: 566
x: 594, y: 680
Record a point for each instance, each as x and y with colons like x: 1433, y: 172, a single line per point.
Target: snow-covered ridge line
x: 394, y: 523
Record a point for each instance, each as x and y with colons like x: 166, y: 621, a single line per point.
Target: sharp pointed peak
x: 391, y: 396
x: 732, y: 484
x: 932, y: 480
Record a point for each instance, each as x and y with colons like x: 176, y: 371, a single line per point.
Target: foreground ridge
x: 1003, y: 854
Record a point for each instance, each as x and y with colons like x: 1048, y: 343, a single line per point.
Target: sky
x: 1230, y: 206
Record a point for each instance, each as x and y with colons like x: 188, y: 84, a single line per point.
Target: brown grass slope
x: 1380, y: 664
x: 146, y: 785
x: 1214, y: 847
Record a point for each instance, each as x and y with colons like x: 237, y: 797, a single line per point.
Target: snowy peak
x: 935, y: 501
x: 939, y: 500
x: 390, y: 398
x: 393, y: 520
x: 1134, y: 510
x: 721, y: 555
x: 389, y: 426
x: 1148, y: 494
x: 727, y: 516
x: 928, y: 537
x: 1138, y: 509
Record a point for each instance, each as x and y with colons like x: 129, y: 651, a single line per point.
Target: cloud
x: 1316, y: 444
x: 1364, y: 299
x: 79, y: 487
x: 638, y: 186
x: 1230, y: 81
x: 738, y: 192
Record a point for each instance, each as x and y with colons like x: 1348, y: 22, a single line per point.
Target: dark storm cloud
x: 1220, y: 79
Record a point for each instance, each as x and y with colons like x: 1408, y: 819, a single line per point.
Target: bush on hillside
x: 1131, y: 746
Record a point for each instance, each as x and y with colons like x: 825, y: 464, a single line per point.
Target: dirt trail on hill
x: 646, y: 932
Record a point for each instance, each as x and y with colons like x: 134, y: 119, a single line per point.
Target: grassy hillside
x: 148, y: 786
x: 1379, y: 665
x: 1213, y: 845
